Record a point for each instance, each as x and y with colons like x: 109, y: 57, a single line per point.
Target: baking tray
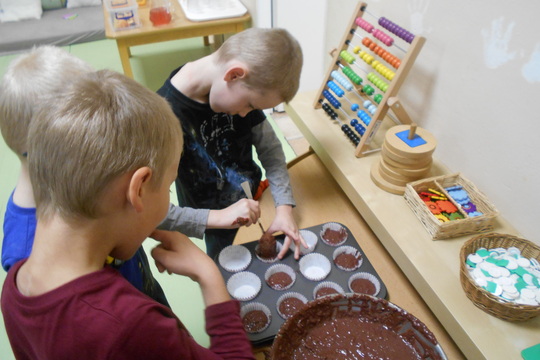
x: 269, y: 296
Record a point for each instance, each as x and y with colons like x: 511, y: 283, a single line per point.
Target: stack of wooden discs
x: 405, y: 157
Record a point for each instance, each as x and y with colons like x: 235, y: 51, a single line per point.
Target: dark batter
x: 334, y: 236
x: 348, y: 261
x: 267, y: 247
x: 352, y: 327
x: 254, y: 321
x: 279, y: 280
x: 290, y: 306
x: 351, y: 339
x: 325, y: 291
x: 363, y: 286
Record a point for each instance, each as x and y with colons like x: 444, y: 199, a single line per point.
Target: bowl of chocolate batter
x: 354, y: 326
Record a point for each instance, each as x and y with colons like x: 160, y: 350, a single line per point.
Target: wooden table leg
x: 125, y: 54
x: 218, y: 41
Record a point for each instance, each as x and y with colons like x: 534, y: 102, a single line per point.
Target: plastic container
x: 123, y: 14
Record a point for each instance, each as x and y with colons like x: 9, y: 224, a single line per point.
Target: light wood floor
x: 291, y: 133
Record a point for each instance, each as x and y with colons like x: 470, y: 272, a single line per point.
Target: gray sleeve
x: 272, y: 158
x: 190, y: 222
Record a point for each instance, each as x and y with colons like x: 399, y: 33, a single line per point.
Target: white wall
x: 474, y: 85
x: 305, y: 20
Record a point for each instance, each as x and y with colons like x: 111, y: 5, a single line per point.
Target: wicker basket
x: 483, y: 299
x: 443, y: 230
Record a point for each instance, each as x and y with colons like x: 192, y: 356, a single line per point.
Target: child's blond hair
x: 106, y: 126
x: 273, y: 57
x: 33, y: 80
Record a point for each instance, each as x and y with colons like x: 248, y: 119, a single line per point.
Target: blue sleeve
x: 19, y: 230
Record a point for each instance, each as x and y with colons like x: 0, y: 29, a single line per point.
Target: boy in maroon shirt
x: 101, y: 163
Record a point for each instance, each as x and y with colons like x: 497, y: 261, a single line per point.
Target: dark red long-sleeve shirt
x: 102, y: 316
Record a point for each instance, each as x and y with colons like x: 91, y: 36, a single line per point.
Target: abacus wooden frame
x: 393, y: 88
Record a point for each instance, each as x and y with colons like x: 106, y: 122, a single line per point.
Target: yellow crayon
x: 437, y: 192
x: 439, y: 197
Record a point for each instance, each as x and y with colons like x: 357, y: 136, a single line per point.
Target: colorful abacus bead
x: 368, y: 90
x: 386, y: 40
x: 378, y: 98
x: 383, y: 70
x: 358, y: 127
x: 364, y: 25
x: 350, y: 134
x: 368, y: 59
x: 345, y: 55
x: 329, y: 111
x: 331, y: 99
x: 342, y: 81
x: 356, y: 49
x: 371, y: 108
x: 396, y: 30
x: 345, y: 128
x: 352, y: 75
x: 385, y: 55
x: 366, y: 119
x: 336, y: 89
x: 378, y: 82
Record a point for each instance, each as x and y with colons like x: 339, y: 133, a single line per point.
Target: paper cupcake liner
x: 244, y: 286
x: 287, y: 296
x: 327, y: 284
x: 347, y: 250
x: 310, y: 238
x: 256, y: 306
x: 315, y: 266
x: 280, y: 268
x: 269, y: 261
x: 335, y: 227
x: 367, y: 276
x: 234, y: 258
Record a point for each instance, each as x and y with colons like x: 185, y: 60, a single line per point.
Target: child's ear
x: 235, y: 72
x: 138, y: 185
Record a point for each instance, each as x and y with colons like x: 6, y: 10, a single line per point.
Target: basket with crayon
x: 450, y: 206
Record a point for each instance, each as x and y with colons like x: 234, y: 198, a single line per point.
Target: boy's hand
x: 284, y: 221
x: 244, y: 212
x: 177, y: 254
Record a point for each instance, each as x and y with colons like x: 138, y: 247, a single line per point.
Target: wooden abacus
x: 373, y: 55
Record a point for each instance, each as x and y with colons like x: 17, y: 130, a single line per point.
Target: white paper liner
x: 234, y: 258
x: 347, y: 250
x: 244, y: 286
x: 286, y: 296
x: 256, y: 306
x: 327, y: 284
x: 336, y: 227
x: 280, y: 268
x: 269, y: 261
x: 367, y: 276
x: 311, y: 240
x: 315, y: 266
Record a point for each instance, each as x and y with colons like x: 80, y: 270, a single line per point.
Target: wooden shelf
x: 431, y: 266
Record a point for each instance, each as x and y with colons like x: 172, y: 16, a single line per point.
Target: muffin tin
x: 302, y: 285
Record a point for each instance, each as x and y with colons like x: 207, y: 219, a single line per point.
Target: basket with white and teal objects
x: 500, y: 274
